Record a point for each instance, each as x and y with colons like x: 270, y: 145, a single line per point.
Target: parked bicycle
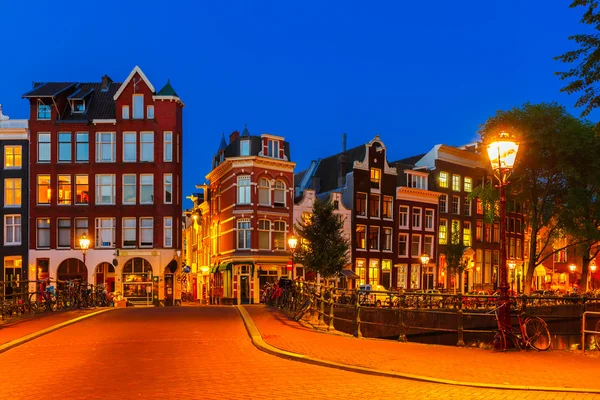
x: 44, y: 299
x: 533, y: 332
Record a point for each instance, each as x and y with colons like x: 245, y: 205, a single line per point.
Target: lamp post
x: 292, y: 243
x: 572, y: 268
x: 424, y: 262
x: 84, y: 244
x: 593, y: 269
x: 503, y: 153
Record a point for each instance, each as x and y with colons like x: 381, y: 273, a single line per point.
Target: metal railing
x: 409, y: 308
x: 596, y: 332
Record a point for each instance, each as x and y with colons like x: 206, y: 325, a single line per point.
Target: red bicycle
x: 533, y: 332
x: 44, y: 299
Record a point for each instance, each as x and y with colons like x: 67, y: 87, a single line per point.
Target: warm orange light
x: 593, y: 266
x: 572, y: 267
x: 84, y: 243
x: 424, y: 259
x: 292, y: 242
x: 503, y: 152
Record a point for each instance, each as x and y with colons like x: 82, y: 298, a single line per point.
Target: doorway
x: 244, y: 289
x: 169, y: 289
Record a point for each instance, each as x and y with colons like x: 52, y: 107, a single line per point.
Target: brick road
x: 193, y: 353
x: 529, y: 368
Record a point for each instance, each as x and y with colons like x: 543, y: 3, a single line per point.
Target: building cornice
x: 249, y: 162
x: 420, y: 195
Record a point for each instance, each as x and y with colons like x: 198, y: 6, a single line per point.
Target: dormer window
x: 375, y: 178
x: 43, y: 111
x: 78, y: 106
x: 417, y: 180
x: 273, y: 148
x: 244, y: 147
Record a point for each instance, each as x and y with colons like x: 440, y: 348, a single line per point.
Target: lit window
x: 361, y: 272
x: 81, y: 228
x: 147, y: 146
x: 12, y: 230
x: 65, y: 189
x: 12, y: 192
x: 129, y: 228
x: 44, y: 193
x: 387, y: 207
x: 455, y: 228
x: 468, y: 184
x: 373, y: 238
x: 444, y: 179
x: 375, y: 178
x: 138, y: 106
x: 443, y: 231
x: 374, y: 206
x: 82, y: 189
x: 44, y: 147
x: 146, y: 232
x: 129, y: 147
x: 374, y: 272
x: 13, y: 157
x: 105, y: 189
x: 361, y: 239
x: 467, y: 233
x: 456, y: 183
x: 129, y: 188
x: 13, y: 272
x: 279, y: 228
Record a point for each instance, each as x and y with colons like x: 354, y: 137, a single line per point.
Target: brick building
x: 106, y: 162
x: 251, y: 209
x: 14, y: 144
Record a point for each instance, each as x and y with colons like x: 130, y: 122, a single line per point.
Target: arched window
x: 264, y: 192
x: 279, y: 193
x: 72, y: 268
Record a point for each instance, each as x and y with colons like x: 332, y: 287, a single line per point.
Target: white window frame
x: 444, y: 203
x: 467, y: 184
x: 264, y: 229
x: 244, y: 147
x: 100, y: 185
x: 405, y: 236
x: 243, y: 191
x: 111, y: 149
x: 391, y: 208
x: 272, y: 148
x: 148, y: 227
x: 467, y: 226
x: 129, y: 185
x: 246, y: 233
x: 150, y: 111
x: 11, y: 225
x: 262, y: 188
x: 138, y: 109
x: 80, y: 228
x: 279, y: 187
x: 129, y: 144
x: 146, y: 146
x: 429, y: 248
x: 11, y: 153
x: 456, y: 211
x: 417, y: 218
x: 412, y: 242
x: 14, y: 192
x: 168, y: 232
x: 446, y: 231
x: 60, y: 186
x: 456, y: 183
x: 78, y: 142
x: 403, y: 215
x: 129, y: 226
x: 429, y: 219
x: 43, y: 144
x: 125, y: 112
x: 77, y: 190
x: 100, y: 228
x: 146, y: 184
x: 391, y: 239
x: 444, y: 179
x: 275, y: 232
x: 168, y: 185
x: 37, y: 232
x: 68, y: 151
x: 168, y: 146
x: 467, y: 206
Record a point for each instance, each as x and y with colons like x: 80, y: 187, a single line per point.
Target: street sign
x: 289, y: 265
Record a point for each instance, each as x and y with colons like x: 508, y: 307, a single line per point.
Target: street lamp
x: 502, y: 153
x: 573, y: 267
x: 424, y: 262
x: 292, y: 243
x: 512, y: 265
x: 84, y: 244
x: 593, y: 269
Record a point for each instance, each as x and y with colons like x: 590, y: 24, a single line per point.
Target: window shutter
x: 281, y: 150
x: 265, y: 146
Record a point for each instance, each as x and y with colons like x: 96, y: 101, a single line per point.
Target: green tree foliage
x: 455, y: 254
x: 585, y: 75
x: 322, y: 246
x: 550, y: 137
x: 489, y: 197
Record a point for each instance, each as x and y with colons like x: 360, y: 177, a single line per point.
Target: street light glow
x: 424, y: 259
x: 572, y: 267
x: 292, y: 242
x: 503, y: 152
x: 84, y: 243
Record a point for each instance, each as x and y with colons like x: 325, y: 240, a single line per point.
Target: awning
x: 214, y: 269
x: 348, y: 273
x: 224, y: 267
x: 172, y: 266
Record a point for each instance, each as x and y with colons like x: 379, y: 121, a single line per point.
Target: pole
x: 84, y: 258
x: 504, y: 302
x: 293, y: 263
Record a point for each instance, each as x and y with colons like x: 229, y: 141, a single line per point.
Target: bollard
x: 330, y: 327
x: 402, y: 335
x: 460, y: 341
x: 321, y: 308
x: 357, y: 332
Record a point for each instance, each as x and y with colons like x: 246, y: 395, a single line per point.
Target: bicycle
x: 44, y: 299
x: 533, y: 333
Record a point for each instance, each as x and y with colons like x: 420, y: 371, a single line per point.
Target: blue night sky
x: 417, y: 73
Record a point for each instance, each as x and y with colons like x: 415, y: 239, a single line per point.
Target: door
x: 244, y: 289
x: 169, y: 289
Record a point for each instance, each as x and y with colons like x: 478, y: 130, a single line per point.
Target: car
x: 434, y: 296
x: 372, y: 295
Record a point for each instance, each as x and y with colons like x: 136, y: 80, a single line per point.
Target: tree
x: 323, y: 247
x: 585, y: 76
x: 550, y: 137
x: 455, y: 254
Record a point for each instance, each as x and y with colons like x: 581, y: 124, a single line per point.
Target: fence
x: 407, y: 312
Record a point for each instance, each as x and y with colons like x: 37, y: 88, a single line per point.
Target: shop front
x: 137, y: 281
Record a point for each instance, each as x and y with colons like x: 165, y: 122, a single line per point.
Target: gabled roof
x: 80, y: 93
x: 330, y: 168
x: 48, y: 89
x: 167, y: 90
x: 129, y: 78
x: 223, y: 144
x: 245, y: 132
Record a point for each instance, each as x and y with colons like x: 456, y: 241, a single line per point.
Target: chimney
x: 343, y: 142
x: 105, y: 82
x: 234, y: 136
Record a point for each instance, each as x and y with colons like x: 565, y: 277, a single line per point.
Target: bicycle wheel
x: 597, y: 335
x: 537, y: 333
x: 34, y: 304
x: 52, y: 304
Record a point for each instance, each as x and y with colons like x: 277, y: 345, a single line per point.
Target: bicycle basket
x: 50, y: 289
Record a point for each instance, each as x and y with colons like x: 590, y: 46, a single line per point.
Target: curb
x: 259, y: 343
x: 24, y: 339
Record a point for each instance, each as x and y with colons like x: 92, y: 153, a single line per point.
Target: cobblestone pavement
x: 526, y: 368
x: 193, y: 353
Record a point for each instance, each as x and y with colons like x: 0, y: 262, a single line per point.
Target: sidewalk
x: 525, y: 368
x: 22, y: 327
